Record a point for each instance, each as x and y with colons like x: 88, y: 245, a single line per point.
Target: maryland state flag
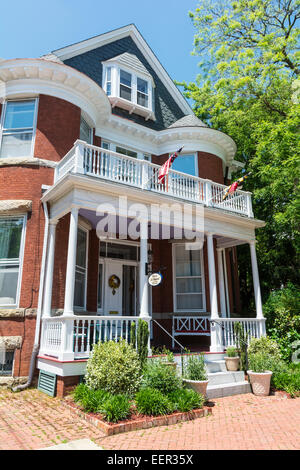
x: 234, y: 186
x: 164, y: 169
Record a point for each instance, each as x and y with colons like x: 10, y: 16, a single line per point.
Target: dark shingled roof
x: 188, y: 121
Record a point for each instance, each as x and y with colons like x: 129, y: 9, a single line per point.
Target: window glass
x: 188, y: 279
x: 100, y: 286
x: 127, y: 152
x: 81, y: 269
x: 6, y: 362
x: 18, y: 127
x: 119, y: 251
x: 185, y: 164
x: 85, y: 131
x: 108, y: 81
x: 142, y: 92
x: 125, y: 85
x: 10, y: 244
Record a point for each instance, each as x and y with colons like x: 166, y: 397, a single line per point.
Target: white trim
x: 130, y: 30
x: 21, y: 258
x: 202, y: 276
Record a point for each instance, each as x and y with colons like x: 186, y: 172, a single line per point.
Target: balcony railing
x: 108, y: 165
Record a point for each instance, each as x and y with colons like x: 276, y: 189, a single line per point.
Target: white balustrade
x: 190, y: 325
x: 253, y: 328
x: 106, y: 164
x: 86, y: 331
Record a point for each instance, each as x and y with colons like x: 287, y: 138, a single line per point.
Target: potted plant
x: 232, y: 359
x: 195, y: 374
x: 259, y: 374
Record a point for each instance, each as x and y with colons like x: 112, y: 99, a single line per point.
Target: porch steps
x: 218, y: 378
x: 228, y: 389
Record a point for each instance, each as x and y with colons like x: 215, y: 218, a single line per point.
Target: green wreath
x: 114, y: 283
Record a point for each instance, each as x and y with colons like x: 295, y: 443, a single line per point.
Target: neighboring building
x: 82, y: 127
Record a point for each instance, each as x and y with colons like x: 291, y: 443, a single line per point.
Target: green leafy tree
x: 248, y: 87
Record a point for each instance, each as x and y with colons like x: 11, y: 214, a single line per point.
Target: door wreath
x: 114, y: 283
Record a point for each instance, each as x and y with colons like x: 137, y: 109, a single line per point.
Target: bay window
x: 11, y: 251
x: 18, y: 128
x: 188, y: 279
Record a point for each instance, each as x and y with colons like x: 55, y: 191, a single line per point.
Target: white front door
x: 121, y: 299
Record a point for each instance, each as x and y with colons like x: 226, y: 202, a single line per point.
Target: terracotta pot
x: 170, y: 364
x: 260, y: 382
x: 199, y: 386
x: 232, y: 363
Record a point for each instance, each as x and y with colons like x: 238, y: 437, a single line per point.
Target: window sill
x: 131, y: 107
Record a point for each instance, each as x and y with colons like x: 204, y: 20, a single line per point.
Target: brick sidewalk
x: 32, y: 420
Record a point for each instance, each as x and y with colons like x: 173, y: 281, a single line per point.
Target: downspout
x: 39, y: 308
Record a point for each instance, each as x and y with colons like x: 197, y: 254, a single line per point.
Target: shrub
x: 115, y: 408
x: 241, y: 342
x: 288, y: 381
x: 231, y: 352
x: 150, y: 401
x: 186, y: 399
x: 194, y: 368
x: 261, y: 361
x: 91, y: 400
x: 142, y: 340
x: 264, y: 345
x: 282, y: 313
x: 114, y: 367
x: 157, y: 375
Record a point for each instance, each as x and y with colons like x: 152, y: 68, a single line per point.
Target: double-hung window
x: 186, y: 163
x: 125, y: 85
x: 81, y: 269
x: 142, y: 92
x: 188, y: 279
x: 18, y: 128
x: 86, y: 132
x: 11, y: 252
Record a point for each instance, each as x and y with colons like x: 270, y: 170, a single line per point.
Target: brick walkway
x: 32, y: 420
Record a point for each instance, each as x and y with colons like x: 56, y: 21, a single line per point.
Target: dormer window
x: 129, y: 85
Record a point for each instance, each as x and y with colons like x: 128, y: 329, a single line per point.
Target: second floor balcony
x: 97, y: 162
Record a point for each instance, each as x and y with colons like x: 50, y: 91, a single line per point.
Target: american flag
x: 164, y: 169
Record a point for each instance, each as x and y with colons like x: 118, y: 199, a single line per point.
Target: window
x: 188, y: 279
x: 125, y: 85
x: 100, y: 286
x: 86, y: 132
x: 18, y: 128
x: 6, y: 362
x: 119, y: 251
x: 186, y: 163
x: 11, y: 250
x: 127, y: 152
x: 81, y: 269
x: 108, y: 81
x: 142, y: 92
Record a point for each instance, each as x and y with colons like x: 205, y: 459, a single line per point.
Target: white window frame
x: 115, y: 84
x: 196, y: 162
x: 113, y: 146
x: 83, y: 118
x: 5, y: 262
x: 177, y: 310
x: 86, y: 230
x: 2, y: 130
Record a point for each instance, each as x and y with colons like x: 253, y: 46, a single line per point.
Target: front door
x: 120, y: 288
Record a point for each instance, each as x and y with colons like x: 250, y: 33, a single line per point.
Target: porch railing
x: 112, y: 166
x: 69, y: 338
x: 189, y: 325
x: 253, y: 327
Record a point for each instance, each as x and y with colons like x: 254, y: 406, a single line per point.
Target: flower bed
x: 135, y: 421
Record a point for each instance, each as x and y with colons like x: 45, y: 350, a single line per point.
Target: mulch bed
x: 135, y: 421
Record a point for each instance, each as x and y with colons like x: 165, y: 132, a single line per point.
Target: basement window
x: 6, y: 362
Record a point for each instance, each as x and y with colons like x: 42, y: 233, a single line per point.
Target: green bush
x: 231, y: 352
x: 288, y: 381
x: 91, y: 400
x: 186, y: 399
x: 194, y: 368
x: 264, y: 345
x: 152, y: 402
x: 161, y: 377
x: 282, y: 312
x: 114, y: 367
x: 115, y: 408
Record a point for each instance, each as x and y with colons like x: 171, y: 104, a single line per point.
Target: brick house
x: 84, y: 132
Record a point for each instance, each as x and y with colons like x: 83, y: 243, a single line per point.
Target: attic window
x: 129, y: 86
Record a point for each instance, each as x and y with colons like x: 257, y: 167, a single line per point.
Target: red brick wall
x: 58, y: 127
x: 210, y: 167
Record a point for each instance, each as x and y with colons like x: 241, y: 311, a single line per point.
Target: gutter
x: 39, y: 308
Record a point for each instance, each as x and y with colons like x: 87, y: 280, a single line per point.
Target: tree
x: 247, y: 87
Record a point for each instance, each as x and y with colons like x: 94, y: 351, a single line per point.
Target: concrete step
x: 215, y: 366
x: 228, y: 389
x: 218, y: 378
x: 214, y: 357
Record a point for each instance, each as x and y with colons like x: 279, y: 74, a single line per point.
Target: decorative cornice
x: 21, y: 77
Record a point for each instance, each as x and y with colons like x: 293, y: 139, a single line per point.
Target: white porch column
x: 71, y: 263
x: 255, y: 275
x: 215, y: 330
x: 221, y: 282
x: 49, y: 269
x: 144, y: 291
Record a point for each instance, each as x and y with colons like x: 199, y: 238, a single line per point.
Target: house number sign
x: 155, y: 279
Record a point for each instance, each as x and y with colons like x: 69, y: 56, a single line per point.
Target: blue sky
x: 34, y: 27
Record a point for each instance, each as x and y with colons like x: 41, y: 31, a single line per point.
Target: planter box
x: 140, y: 422
x: 260, y: 382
